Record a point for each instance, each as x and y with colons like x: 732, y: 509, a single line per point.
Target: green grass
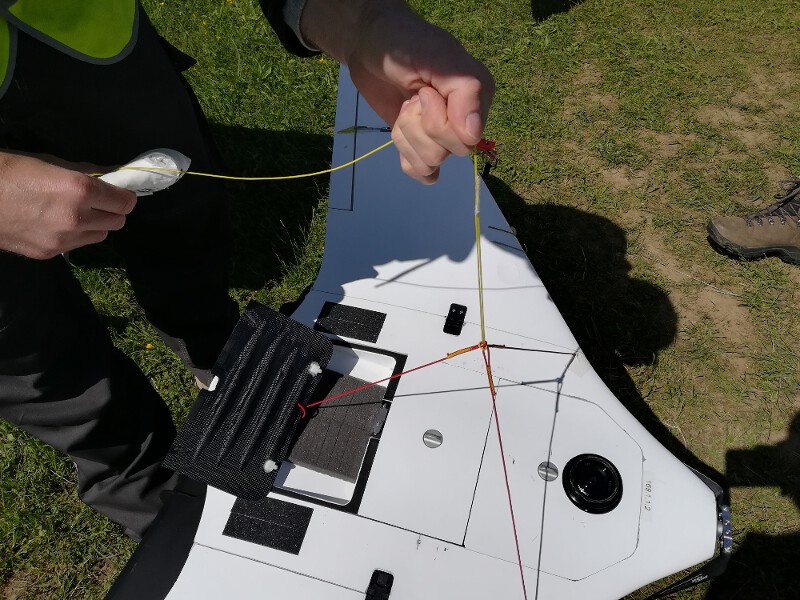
x: 623, y: 127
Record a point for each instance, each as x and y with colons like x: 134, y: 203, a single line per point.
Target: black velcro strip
x: 350, y: 321
x: 269, y: 522
x: 265, y: 370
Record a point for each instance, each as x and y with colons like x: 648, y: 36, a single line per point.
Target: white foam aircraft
x: 413, y: 499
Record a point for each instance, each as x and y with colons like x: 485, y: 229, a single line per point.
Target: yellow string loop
x: 275, y: 178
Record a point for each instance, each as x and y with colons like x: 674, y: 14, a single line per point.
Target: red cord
x: 487, y: 360
x: 395, y: 376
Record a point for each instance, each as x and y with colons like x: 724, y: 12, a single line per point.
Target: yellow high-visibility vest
x: 96, y: 31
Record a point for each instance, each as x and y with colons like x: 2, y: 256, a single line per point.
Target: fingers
x: 95, y: 209
x: 426, y: 133
x: 468, y: 102
x: 107, y: 198
x: 420, y: 156
x: 46, y: 209
x: 85, y: 209
x: 438, y: 127
x: 98, y: 207
x: 91, y: 208
x: 98, y: 220
x: 398, y: 55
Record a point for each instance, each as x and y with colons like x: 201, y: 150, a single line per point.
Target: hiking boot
x: 774, y: 230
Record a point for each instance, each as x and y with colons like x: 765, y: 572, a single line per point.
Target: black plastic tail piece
x: 454, y: 321
x: 380, y: 586
x: 235, y: 436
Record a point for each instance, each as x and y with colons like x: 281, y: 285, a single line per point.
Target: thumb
x: 467, y: 109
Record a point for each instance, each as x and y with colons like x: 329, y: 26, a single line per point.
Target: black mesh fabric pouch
x: 236, y: 436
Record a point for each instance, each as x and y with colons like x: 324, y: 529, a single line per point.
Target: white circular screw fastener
x: 432, y: 438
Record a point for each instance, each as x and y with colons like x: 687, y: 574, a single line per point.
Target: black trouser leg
x: 60, y: 377
x: 62, y: 380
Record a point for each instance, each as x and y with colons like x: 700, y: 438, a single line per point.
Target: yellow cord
x: 478, y: 243
x: 276, y: 178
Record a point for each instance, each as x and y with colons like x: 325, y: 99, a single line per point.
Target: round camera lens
x: 592, y: 483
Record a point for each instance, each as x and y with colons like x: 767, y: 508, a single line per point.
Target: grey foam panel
x: 335, y: 438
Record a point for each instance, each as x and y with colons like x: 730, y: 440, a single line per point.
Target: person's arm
x: 416, y: 76
x: 48, y: 206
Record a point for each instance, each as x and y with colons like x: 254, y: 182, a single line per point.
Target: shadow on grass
x: 544, y: 9
x: 617, y: 320
x: 764, y: 566
x: 268, y: 219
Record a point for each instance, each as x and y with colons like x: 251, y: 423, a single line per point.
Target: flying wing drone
x: 423, y: 486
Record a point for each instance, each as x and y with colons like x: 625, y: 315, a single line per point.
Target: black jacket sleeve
x: 273, y: 10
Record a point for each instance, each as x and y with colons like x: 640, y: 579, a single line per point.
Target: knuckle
x: 50, y: 247
x: 486, y: 85
x: 118, y: 223
x: 82, y: 186
x: 430, y: 179
x: 425, y: 170
x: 434, y: 156
x: 94, y: 237
x: 41, y: 253
x: 130, y: 205
x: 436, y: 127
x: 483, y: 81
x: 72, y: 219
x: 126, y: 200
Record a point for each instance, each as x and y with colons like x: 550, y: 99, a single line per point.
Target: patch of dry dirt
x: 16, y: 589
x: 695, y: 304
x: 769, y: 91
x: 589, y: 76
x: 109, y: 570
x: 770, y: 94
x: 721, y: 115
x: 753, y: 131
x: 587, y: 92
x: 776, y: 174
x: 665, y: 145
x: 755, y: 138
x: 618, y: 179
x: 622, y: 179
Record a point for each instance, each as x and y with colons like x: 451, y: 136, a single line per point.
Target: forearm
x: 336, y: 25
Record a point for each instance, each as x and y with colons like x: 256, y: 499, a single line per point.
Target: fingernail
x: 474, y: 126
x: 423, y: 100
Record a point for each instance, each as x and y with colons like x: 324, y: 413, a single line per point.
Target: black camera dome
x: 592, y: 483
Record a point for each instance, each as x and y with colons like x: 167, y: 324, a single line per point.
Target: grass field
x: 623, y: 127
